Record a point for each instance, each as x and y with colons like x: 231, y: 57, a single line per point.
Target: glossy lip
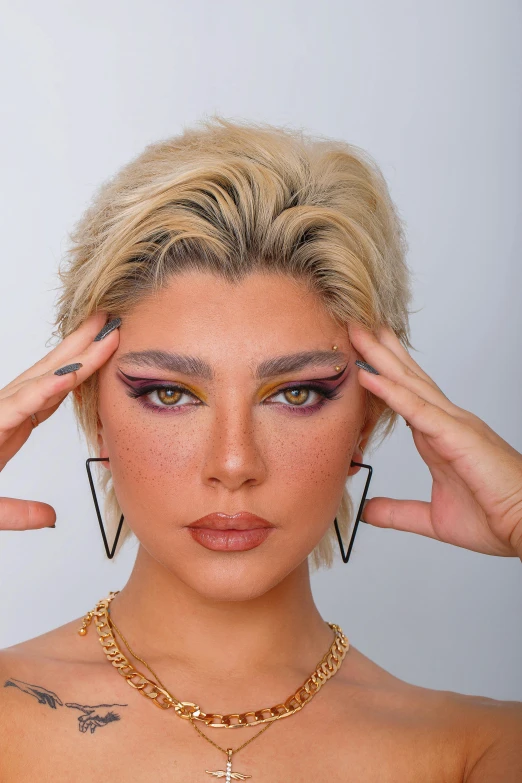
x: 243, y: 520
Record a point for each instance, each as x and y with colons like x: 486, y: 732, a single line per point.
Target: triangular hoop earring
x: 110, y: 552
x: 346, y: 556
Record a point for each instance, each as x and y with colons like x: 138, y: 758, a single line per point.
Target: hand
x: 94, y: 717
x: 476, y: 498
x: 38, y: 390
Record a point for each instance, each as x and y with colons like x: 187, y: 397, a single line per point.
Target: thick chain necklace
x: 156, y: 692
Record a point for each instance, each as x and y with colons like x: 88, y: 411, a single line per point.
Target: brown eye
x: 297, y: 396
x: 168, y: 396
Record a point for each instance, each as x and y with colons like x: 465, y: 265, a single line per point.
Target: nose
x: 233, y: 457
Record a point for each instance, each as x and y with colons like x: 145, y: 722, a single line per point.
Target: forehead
x: 201, y: 324
x: 260, y: 302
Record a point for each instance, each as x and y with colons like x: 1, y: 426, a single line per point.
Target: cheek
x: 151, y: 460
x: 313, y: 464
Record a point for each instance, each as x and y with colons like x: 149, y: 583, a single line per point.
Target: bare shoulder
x: 483, y: 734
x: 58, y: 650
x: 61, y: 649
x: 61, y: 645
x: 495, y: 738
x: 40, y: 678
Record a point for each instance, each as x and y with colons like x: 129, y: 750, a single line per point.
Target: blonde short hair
x: 231, y: 198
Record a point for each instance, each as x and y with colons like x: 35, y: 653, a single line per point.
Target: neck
x: 169, y: 624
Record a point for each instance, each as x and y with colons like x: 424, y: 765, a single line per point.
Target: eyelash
x: 325, y: 393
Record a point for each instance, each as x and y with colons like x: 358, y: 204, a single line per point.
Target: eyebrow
x: 195, y: 366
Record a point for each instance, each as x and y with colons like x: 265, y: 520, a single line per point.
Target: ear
x: 103, y: 451
x: 102, y: 447
x: 358, y: 454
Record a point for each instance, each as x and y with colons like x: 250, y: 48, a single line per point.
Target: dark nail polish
x: 68, y: 368
x: 109, y: 327
x: 366, y: 366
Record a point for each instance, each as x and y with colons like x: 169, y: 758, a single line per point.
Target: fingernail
x: 53, y: 525
x: 365, y: 366
x: 68, y: 368
x: 109, y: 327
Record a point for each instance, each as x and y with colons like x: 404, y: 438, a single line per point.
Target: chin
x: 231, y: 576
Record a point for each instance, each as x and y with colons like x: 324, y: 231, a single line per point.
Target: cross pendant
x: 228, y: 774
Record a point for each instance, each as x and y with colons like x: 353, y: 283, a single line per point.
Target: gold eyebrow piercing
x: 338, y: 367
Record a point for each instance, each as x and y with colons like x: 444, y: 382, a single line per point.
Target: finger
x: 43, y: 394
x: 72, y: 345
x: 387, y: 364
x: 452, y: 437
x: 414, y: 516
x: 46, y: 413
x: 34, y: 396
x: 389, y: 340
x: 25, y: 514
x: 410, y: 516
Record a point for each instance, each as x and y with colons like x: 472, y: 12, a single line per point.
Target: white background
x: 433, y: 91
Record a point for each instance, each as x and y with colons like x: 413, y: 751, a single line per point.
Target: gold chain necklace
x: 228, y: 751
x: 162, y: 698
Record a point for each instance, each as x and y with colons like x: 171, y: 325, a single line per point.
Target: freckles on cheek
x: 312, y: 465
x: 150, y: 460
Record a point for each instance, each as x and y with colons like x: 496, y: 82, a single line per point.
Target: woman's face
x: 241, y: 434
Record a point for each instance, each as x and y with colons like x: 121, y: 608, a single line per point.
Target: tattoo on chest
x: 93, y: 715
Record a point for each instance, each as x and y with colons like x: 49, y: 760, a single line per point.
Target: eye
x: 161, y: 398
x: 166, y: 396
x: 298, y: 395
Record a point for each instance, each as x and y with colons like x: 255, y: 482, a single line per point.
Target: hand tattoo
x: 93, y: 716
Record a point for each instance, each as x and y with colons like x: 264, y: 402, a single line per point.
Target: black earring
x: 110, y: 552
x: 346, y: 556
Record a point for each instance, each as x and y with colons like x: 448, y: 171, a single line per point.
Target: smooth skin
x: 366, y: 724
x: 38, y: 390
x: 476, y: 498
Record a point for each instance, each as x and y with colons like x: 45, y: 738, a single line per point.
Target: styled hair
x: 233, y: 198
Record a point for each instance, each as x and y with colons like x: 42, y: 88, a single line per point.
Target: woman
x: 217, y: 295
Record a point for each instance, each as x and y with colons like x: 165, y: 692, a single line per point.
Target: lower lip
x: 229, y: 540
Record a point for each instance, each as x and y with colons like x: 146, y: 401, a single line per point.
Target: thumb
x: 25, y: 514
x: 410, y: 516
